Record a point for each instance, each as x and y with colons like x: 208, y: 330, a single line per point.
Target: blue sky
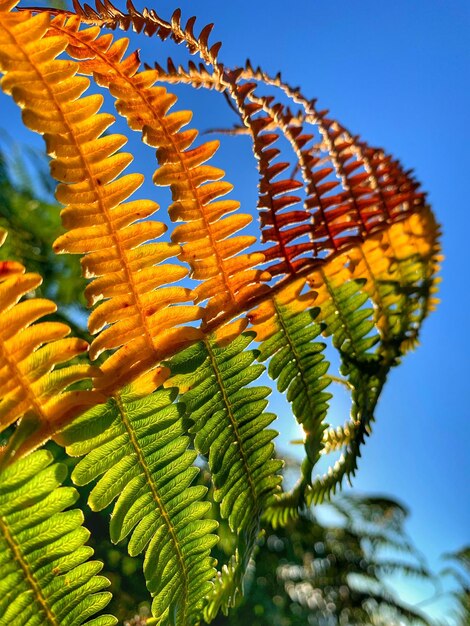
x: 398, y: 74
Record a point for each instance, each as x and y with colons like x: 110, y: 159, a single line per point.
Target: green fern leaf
x: 136, y: 449
x: 228, y: 586
x: 229, y: 424
x: 348, y: 321
x: 367, y: 385
x: 230, y: 428
x: 298, y: 365
x: 46, y: 575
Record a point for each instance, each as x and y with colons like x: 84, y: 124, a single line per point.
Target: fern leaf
x: 377, y: 191
x: 230, y: 429
x: 150, y: 23
x: 47, y: 576
x: 399, y: 265
x: 367, y: 378
x: 342, y: 308
x: 351, y: 327
x: 336, y: 438
x: 285, y: 326
x: 208, y: 245
x: 101, y: 225
x: 229, y: 424
x: 136, y: 448
x: 30, y: 384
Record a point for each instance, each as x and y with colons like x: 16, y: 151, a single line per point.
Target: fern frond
x: 379, y: 193
x: 285, y: 326
x: 275, y: 195
x: 229, y: 582
x: 136, y: 448
x: 213, y: 254
x: 229, y: 424
x: 342, y: 310
x: 230, y: 428
x: 351, y: 327
x: 336, y: 438
x: 150, y: 23
x: 367, y: 377
x: 30, y: 384
x: 47, y: 577
x: 101, y: 225
x: 373, y: 196
x: 356, y: 209
x: 227, y: 588
x: 376, y: 186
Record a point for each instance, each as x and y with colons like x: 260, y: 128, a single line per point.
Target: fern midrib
x: 30, y: 577
x: 158, y: 501
x: 169, y: 137
x: 233, y: 422
x: 96, y: 191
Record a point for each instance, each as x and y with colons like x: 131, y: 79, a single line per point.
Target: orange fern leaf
x: 30, y: 384
x: 139, y: 321
x: 230, y: 278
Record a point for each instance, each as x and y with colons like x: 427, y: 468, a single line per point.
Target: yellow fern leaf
x: 101, y: 225
x: 208, y: 245
x: 405, y: 254
x: 29, y: 353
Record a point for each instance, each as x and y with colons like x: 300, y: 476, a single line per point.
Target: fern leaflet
x: 230, y: 429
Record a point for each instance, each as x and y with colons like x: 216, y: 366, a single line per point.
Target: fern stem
x: 341, y: 381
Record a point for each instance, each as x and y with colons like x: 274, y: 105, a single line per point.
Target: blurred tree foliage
x: 328, y: 574
x: 459, y: 569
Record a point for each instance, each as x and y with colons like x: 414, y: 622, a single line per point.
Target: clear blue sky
x: 398, y: 74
